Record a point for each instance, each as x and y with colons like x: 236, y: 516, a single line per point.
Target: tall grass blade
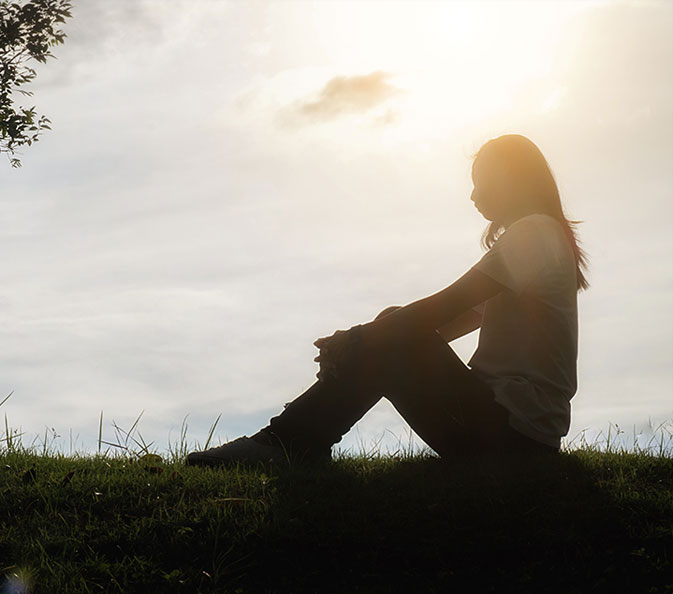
x: 212, y: 430
x: 6, y: 398
x: 100, y: 432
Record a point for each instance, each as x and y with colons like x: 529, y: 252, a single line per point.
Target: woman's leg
x: 444, y: 403
x: 453, y: 411
x: 449, y: 408
x: 318, y: 418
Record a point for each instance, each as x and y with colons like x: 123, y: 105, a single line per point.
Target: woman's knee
x: 388, y: 310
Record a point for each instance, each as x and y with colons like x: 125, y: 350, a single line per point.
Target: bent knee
x: 388, y: 310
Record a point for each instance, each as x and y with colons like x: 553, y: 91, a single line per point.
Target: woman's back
x: 527, y: 348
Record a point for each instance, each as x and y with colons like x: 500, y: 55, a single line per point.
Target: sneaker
x: 243, y: 449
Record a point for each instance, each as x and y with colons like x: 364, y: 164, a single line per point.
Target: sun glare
x: 458, y: 62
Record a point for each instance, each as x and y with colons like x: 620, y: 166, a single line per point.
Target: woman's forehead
x: 480, y: 164
x: 487, y: 163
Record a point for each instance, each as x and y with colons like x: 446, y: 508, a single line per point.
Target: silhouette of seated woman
x: 514, y: 394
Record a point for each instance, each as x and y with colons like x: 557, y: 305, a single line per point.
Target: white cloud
x: 348, y: 94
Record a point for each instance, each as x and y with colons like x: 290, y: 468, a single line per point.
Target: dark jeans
x: 436, y: 393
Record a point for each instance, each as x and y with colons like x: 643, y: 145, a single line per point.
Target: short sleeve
x: 519, y: 255
x: 479, y: 308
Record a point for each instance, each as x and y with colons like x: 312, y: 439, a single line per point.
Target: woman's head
x: 512, y: 179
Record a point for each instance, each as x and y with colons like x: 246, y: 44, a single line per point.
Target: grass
x: 128, y: 520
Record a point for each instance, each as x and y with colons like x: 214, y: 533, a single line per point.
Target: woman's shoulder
x: 541, y: 232
x: 542, y: 227
x: 537, y: 219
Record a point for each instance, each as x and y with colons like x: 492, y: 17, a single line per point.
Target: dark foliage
x: 28, y: 31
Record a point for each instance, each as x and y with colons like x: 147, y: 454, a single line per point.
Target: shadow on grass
x: 563, y: 525
x: 586, y: 521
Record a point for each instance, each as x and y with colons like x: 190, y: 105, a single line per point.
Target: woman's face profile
x: 490, y: 194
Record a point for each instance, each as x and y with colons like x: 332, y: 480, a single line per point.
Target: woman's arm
x: 422, y: 316
x: 465, y: 323
x: 430, y: 313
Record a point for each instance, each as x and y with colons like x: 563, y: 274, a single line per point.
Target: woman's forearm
x: 432, y: 312
x: 420, y: 316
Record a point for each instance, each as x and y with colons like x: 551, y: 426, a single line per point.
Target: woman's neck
x: 518, y: 213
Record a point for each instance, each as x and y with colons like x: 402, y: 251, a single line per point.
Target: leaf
x: 27, y: 31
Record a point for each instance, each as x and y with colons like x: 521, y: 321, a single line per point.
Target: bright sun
x: 458, y: 62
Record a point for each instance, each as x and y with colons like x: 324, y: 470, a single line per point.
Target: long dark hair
x: 535, y: 180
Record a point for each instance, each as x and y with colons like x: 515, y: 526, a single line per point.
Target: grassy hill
x: 590, y: 522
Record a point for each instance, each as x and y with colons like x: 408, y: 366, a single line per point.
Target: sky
x: 225, y: 182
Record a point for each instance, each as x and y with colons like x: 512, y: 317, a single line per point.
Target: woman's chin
x: 482, y: 213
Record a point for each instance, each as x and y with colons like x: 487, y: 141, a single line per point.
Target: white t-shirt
x: 527, y: 350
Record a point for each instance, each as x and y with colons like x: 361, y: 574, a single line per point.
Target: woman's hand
x: 333, y: 352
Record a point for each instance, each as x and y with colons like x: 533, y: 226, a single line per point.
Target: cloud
x: 349, y: 94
